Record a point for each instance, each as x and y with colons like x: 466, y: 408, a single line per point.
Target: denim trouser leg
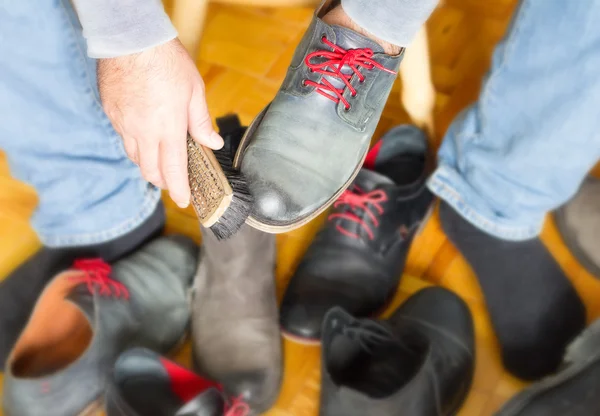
x: 55, y: 134
x: 524, y: 148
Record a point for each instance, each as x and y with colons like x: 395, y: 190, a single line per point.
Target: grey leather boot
x: 89, y: 315
x: 304, y: 149
x: 579, y: 224
x: 235, y: 322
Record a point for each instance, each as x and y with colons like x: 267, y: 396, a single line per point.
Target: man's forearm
x: 121, y: 27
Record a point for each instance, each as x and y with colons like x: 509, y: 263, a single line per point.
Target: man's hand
x: 153, y: 99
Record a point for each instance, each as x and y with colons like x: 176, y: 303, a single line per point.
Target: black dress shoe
x: 419, y: 362
x: 357, y: 259
x: 145, y: 384
x: 573, y: 391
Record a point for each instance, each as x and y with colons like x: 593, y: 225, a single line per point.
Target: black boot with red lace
x: 87, y: 316
x: 356, y: 260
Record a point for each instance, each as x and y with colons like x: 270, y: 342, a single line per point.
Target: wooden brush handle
x: 211, y: 192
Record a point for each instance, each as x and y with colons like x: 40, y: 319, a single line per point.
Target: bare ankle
x: 337, y: 16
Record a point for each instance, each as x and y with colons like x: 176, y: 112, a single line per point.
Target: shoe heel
x: 211, y: 192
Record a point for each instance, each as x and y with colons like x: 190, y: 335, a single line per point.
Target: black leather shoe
x: 357, y: 259
x: 419, y: 362
x: 144, y: 384
x: 573, y: 391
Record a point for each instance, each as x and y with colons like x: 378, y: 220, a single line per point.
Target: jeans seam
x: 97, y: 104
x: 513, y: 30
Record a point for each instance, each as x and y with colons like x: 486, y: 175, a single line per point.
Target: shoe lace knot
x: 336, y: 60
x: 357, y: 202
x: 96, y: 275
x: 238, y: 408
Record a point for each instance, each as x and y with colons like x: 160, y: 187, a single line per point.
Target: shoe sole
x: 279, y: 229
x: 519, y: 403
x: 312, y: 342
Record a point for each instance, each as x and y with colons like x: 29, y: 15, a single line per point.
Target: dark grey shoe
x: 419, y: 362
x: 573, y: 391
x: 235, y: 322
x: 90, y: 314
x: 305, y: 148
x: 579, y: 224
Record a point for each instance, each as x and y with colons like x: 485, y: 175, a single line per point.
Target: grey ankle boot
x: 235, y: 323
x: 579, y: 224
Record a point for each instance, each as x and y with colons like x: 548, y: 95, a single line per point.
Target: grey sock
x: 534, y: 308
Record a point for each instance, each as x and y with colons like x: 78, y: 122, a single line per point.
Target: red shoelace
x: 336, y: 60
x: 358, y: 199
x: 238, y: 408
x: 96, y: 275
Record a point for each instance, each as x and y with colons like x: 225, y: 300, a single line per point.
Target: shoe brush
x: 220, y: 194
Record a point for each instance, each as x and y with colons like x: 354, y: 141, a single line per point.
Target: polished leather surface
x: 433, y: 336
x: 141, y: 385
x: 348, y: 267
x: 235, y: 328
x: 155, y: 316
x: 304, y: 148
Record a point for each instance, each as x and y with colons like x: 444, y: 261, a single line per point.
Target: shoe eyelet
x: 346, y: 109
x: 323, y: 37
x: 304, y: 83
x: 353, y: 95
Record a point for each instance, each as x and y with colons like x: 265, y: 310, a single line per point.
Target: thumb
x: 199, y: 122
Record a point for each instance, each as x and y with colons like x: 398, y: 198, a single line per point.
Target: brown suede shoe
x: 235, y: 322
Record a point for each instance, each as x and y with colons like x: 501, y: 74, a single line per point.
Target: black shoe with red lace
x: 306, y: 147
x: 143, y: 383
x: 87, y: 316
x: 357, y: 259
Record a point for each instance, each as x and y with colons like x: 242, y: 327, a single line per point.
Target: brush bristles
x: 238, y: 211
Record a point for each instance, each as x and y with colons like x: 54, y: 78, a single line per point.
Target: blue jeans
x: 55, y: 133
x: 525, y: 146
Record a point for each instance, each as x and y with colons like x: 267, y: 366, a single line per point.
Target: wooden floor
x: 243, y: 58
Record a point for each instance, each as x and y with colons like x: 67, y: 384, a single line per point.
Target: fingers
x: 173, y: 163
x: 200, y: 124
x: 149, y: 163
x: 131, y: 148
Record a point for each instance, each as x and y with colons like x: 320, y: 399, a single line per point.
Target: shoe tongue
x: 349, y: 39
x: 368, y: 180
x: 207, y: 403
x: 84, y: 300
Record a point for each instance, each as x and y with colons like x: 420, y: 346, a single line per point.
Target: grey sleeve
x: 122, y: 27
x: 395, y: 21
